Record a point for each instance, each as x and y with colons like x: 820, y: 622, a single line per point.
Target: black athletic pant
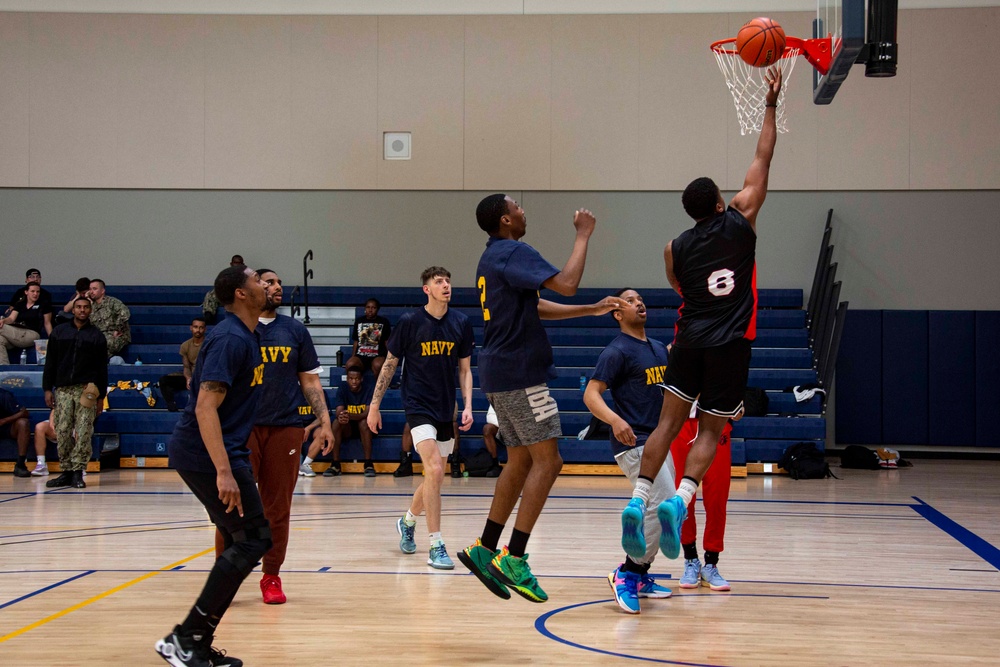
x: 169, y: 386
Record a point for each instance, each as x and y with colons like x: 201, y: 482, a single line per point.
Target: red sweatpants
x: 274, y: 455
x: 714, y: 487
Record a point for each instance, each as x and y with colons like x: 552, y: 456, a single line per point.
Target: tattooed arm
x: 312, y: 389
x: 384, y: 379
x: 210, y: 397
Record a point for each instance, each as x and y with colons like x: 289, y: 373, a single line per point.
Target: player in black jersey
x: 712, y: 266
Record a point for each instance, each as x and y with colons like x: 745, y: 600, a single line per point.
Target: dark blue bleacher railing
x: 306, y: 275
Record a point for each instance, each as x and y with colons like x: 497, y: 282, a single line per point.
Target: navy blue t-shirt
x: 431, y: 348
x: 231, y: 355
x: 355, y: 403
x: 632, y: 369
x: 516, y: 351
x: 287, y: 349
x: 8, y: 404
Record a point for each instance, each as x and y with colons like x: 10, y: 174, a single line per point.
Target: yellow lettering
x: 425, y: 349
x: 305, y: 410
x: 450, y: 345
x: 650, y: 376
x: 258, y: 376
x: 285, y: 351
x: 263, y: 354
x: 481, y: 283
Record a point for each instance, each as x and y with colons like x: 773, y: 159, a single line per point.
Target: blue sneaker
x: 406, y: 543
x: 648, y: 588
x: 710, y: 577
x: 692, y: 573
x: 671, y: 513
x: 633, y: 539
x: 439, y: 558
x: 626, y: 588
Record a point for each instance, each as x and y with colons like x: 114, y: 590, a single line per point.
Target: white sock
x: 41, y: 460
x: 436, y: 539
x: 642, y: 490
x: 307, y: 461
x: 410, y: 519
x: 686, y: 490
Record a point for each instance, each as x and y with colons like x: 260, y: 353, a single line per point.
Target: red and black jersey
x: 715, y: 264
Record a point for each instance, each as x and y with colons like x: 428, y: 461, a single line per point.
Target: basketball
x: 760, y: 42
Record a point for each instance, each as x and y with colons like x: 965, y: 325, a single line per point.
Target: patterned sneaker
x: 305, y: 470
x: 270, y: 588
x: 41, y: 470
x: 182, y: 650
x: 710, y: 577
x: 439, y: 559
x: 333, y: 470
x: 516, y: 573
x: 671, y: 513
x: 406, y: 543
x: 477, y: 558
x: 648, y: 588
x: 633, y: 539
x: 219, y: 658
x: 692, y: 573
x: 626, y: 588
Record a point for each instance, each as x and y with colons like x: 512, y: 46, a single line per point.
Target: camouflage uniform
x: 74, y: 452
x: 111, y: 315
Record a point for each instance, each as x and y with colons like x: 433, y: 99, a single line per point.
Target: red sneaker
x: 270, y: 587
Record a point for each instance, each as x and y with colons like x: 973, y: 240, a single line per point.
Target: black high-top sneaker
x: 405, y: 468
x: 65, y: 479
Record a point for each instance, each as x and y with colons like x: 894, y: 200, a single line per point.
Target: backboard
x: 843, y: 21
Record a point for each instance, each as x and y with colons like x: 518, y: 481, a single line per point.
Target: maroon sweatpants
x: 714, y: 487
x: 274, y: 455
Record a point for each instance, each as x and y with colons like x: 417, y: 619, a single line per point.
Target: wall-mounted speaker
x: 397, y: 145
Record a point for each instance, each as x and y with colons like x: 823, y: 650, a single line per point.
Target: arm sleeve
x: 468, y: 341
x: 609, y: 366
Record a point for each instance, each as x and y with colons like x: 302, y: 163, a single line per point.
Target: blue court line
x: 9, y: 500
x: 963, y: 535
x: 47, y: 588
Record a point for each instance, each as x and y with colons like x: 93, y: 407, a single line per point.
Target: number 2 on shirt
x: 481, y: 284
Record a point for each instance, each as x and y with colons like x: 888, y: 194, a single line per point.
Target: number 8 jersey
x: 715, y: 264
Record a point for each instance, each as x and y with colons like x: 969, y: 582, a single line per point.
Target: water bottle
x: 24, y: 357
x: 138, y: 360
x: 583, y: 383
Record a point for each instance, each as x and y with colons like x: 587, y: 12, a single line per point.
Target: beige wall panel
x: 796, y: 153
x: 15, y: 47
x: 420, y: 90
x: 334, y: 129
x: 956, y: 101
x: 508, y: 91
x: 684, y: 107
x: 595, y: 102
x: 75, y: 61
x: 161, y: 96
x: 247, y: 110
x: 864, y: 135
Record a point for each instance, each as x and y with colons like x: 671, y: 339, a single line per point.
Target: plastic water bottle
x: 583, y: 383
x: 138, y: 360
x: 24, y: 357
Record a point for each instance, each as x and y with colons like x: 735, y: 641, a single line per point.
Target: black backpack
x: 479, y: 463
x: 859, y: 458
x: 803, y: 460
x: 755, y: 402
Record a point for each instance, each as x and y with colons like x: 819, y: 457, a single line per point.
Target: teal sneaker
x: 671, y: 513
x: 692, y: 573
x: 626, y: 589
x: 439, y: 558
x: 710, y: 577
x: 648, y: 588
x: 516, y: 573
x: 477, y: 558
x: 406, y: 543
x: 633, y: 539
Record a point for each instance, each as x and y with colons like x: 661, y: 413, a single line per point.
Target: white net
x: 748, y: 87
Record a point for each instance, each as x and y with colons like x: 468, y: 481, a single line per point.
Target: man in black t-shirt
x: 370, y: 334
x: 32, y: 276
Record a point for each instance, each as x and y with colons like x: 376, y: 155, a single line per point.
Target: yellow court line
x: 101, y: 596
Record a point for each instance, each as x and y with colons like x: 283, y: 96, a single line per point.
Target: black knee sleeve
x: 249, y: 545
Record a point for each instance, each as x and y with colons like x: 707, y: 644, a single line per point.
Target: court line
x: 27, y: 495
x: 47, y: 588
x: 100, y: 596
x: 963, y: 535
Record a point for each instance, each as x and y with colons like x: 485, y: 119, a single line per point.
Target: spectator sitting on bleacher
x: 351, y: 405
x: 45, y: 433
x: 24, y: 322
x: 82, y: 286
x: 210, y: 305
x: 111, y: 316
x: 175, y: 382
x: 14, y: 425
x: 32, y: 276
x: 369, y: 334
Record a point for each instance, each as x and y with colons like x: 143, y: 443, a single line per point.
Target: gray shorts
x: 526, y: 416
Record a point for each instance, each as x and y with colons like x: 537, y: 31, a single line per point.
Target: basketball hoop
x: 748, y: 85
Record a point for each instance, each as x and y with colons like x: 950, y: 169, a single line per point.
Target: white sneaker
x: 305, y: 470
x: 41, y: 470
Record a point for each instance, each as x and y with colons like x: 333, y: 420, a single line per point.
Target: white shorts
x: 429, y: 432
x: 491, y: 417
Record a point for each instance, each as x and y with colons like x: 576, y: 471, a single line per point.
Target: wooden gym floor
x: 877, y: 568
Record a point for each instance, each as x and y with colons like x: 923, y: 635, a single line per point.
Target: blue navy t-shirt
x: 231, y: 355
x: 286, y: 349
x: 632, y: 369
x: 431, y: 348
x: 516, y: 351
x: 8, y: 404
x: 355, y: 403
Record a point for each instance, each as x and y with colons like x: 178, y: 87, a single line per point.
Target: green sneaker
x: 477, y: 558
x: 516, y: 573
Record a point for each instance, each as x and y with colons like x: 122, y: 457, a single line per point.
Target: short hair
x: 33, y: 283
x: 228, y: 281
x: 199, y: 319
x: 235, y: 257
x: 261, y: 272
x: 371, y: 299
x: 82, y: 298
x: 619, y: 293
x: 433, y: 272
x: 700, y: 197
x: 82, y: 284
x: 30, y: 271
x: 354, y: 368
x: 490, y: 210
x: 98, y: 280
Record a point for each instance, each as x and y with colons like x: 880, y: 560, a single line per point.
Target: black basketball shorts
x: 714, y: 376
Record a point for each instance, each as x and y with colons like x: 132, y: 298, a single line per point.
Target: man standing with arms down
x: 514, y: 366
x: 291, y: 371
x: 75, y: 382
x: 712, y: 266
x: 208, y: 449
